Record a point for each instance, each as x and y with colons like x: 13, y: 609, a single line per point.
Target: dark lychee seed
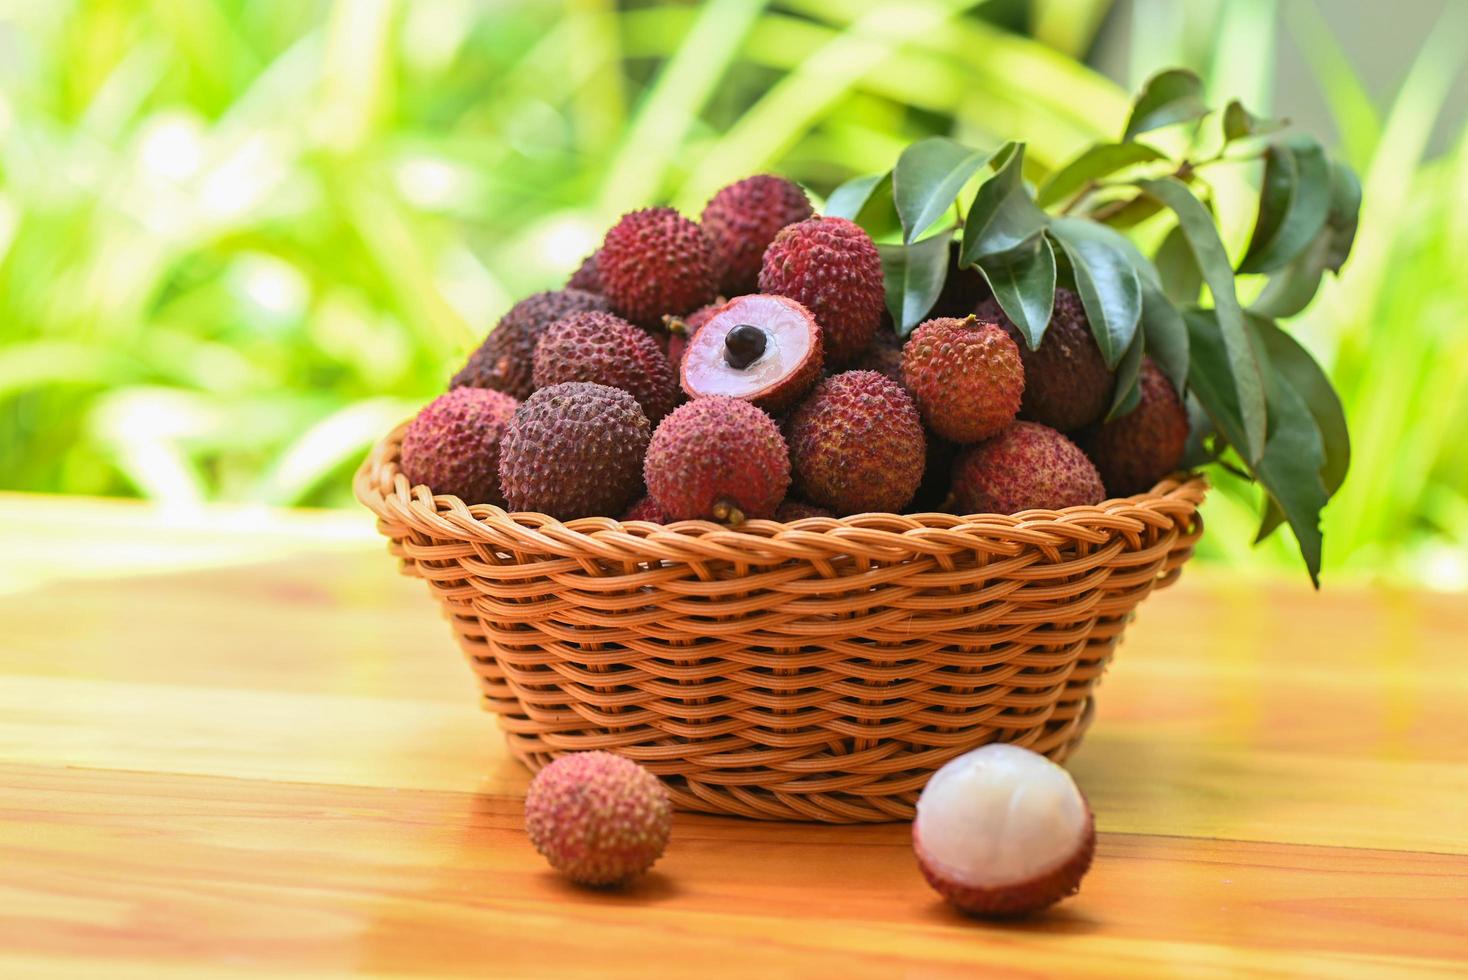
x: 744, y: 345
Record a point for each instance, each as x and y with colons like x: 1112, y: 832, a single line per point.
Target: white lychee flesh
x: 1003, y: 831
x: 790, y: 340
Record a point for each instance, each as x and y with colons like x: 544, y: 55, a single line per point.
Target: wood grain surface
x: 236, y: 742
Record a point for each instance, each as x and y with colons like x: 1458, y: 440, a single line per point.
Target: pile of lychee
x: 745, y: 366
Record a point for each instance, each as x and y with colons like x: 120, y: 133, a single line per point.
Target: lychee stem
x: 728, y: 512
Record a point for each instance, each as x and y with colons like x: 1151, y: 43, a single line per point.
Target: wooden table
x: 237, y: 742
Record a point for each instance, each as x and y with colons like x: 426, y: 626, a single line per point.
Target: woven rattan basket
x: 818, y: 670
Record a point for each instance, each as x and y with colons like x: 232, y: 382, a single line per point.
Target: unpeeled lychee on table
x: 1003, y: 831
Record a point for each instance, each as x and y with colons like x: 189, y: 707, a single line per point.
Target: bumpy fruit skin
x: 503, y: 361
x: 1028, y: 466
x: 1135, y: 451
x: 832, y: 268
x: 607, y: 350
x: 742, y: 219
x: 965, y: 375
x: 1067, y: 383
x: 655, y: 262
x: 574, y: 450
x: 598, y: 818
x: 798, y: 510
x: 857, y: 444
x: 718, y: 459
x: 790, y: 364
x: 646, y: 509
x: 884, y: 355
x: 586, y: 276
x: 453, y: 445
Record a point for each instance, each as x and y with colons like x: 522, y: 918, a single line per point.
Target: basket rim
x: 380, y: 486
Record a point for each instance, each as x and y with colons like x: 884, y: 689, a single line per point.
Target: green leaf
x: 1290, y: 467
x: 1293, y: 203
x: 1292, y: 288
x: 1003, y: 216
x: 1182, y: 280
x: 914, y: 276
x: 868, y: 202
x: 927, y: 179
x: 1023, y: 282
x: 1210, y: 374
x: 1106, y: 280
x: 1207, y: 247
x: 1096, y: 162
x: 1127, y: 394
x: 1239, y: 123
x: 1166, y: 335
x: 1294, y: 363
x: 1167, y: 98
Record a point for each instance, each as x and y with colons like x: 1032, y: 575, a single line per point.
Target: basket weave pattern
x: 818, y: 670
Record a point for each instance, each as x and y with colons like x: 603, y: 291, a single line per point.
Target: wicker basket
x: 818, y: 670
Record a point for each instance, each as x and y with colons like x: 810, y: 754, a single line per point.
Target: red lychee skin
x: 757, y: 310
x: 605, y: 349
x: 503, y: 361
x: 832, y: 268
x: 884, y: 355
x: 453, y: 445
x: 857, y: 444
x: 598, y: 818
x: 717, y: 459
x: 742, y: 219
x: 656, y: 262
x: 1020, y: 898
x: 574, y: 450
x: 966, y: 377
x: 646, y: 509
x: 1028, y: 466
x: 1135, y: 451
x: 1067, y: 383
x: 797, y: 510
x: 586, y: 276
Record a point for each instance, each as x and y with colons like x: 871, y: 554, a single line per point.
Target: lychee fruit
x: 574, y: 450
x: 646, y: 509
x: 654, y: 262
x: 884, y: 355
x: 453, y: 445
x: 832, y: 268
x: 503, y: 361
x: 799, y: 510
x: 682, y: 329
x: 717, y: 458
x: 586, y: 276
x: 1028, y: 466
x: 965, y: 375
x: 605, y: 349
x: 1135, y: 451
x: 599, y: 819
x: 1002, y: 831
x: 1067, y: 383
x: 857, y: 444
x: 763, y: 349
x: 742, y: 219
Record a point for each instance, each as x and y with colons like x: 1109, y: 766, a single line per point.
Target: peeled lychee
x: 1135, y: 451
x: 857, y: 444
x: 605, y: 349
x: 763, y: 349
x: 832, y: 268
x: 965, y: 375
x: 453, y: 445
x: 717, y: 458
x: 1003, y: 831
x: 574, y: 450
x: 1027, y: 466
x: 599, y: 819
x: 503, y: 361
x: 656, y: 262
x: 1067, y: 383
x: 742, y: 219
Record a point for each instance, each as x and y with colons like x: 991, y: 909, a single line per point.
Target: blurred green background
x: 239, y: 239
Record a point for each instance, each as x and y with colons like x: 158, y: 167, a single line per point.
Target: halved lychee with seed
x: 761, y: 349
x: 1003, y: 831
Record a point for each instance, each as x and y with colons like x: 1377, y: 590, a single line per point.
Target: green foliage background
x: 239, y: 239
